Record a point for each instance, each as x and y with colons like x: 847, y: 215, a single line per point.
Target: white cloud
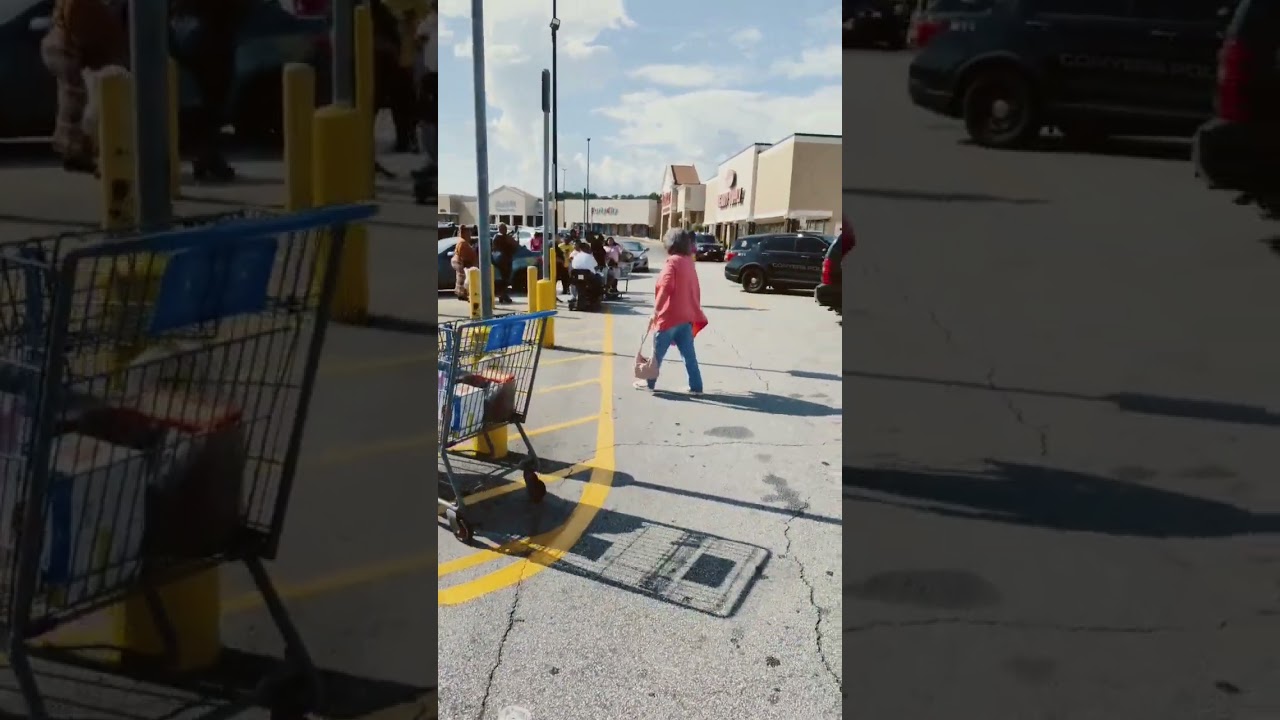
x: 702, y: 127
x: 686, y: 76
x: 695, y: 114
x: 818, y: 62
x: 746, y: 38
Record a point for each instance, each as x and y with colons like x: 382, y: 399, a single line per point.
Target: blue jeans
x: 682, y: 337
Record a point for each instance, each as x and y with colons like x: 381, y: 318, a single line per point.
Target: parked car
x: 524, y: 259
x: 783, y: 261
x: 935, y: 16
x: 830, y: 290
x: 707, y: 247
x: 446, y: 230
x: 1239, y: 148
x: 1090, y: 69
x: 637, y: 253
x: 876, y: 23
x: 270, y: 38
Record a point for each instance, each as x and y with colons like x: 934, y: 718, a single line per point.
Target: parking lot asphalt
x: 688, y: 564
x: 354, y: 556
x: 1059, y: 473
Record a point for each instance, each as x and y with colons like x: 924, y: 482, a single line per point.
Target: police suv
x: 1090, y: 68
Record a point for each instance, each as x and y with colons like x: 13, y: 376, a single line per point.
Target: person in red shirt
x: 677, y: 308
x: 847, y: 238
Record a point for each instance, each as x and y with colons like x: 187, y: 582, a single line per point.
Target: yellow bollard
x: 194, y: 609
x: 364, y: 88
x: 336, y: 180
x: 299, y: 93
x: 115, y: 151
x: 473, y: 292
x: 175, y: 136
x: 547, y: 301
x: 531, y: 288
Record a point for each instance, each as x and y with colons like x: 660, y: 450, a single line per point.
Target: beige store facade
x: 459, y: 209
x: 683, y: 199
x: 509, y: 205
x: 632, y: 217
x: 731, y: 195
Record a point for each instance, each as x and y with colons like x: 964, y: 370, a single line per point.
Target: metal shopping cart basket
x: 153, y: 391
x: 485, y: 381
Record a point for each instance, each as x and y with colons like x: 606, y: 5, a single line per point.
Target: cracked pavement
x: 1058, y: 475
x: 708, y: 586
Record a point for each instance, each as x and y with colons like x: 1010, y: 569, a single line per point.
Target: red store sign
x: 734, y: 195
x: 666, y: 200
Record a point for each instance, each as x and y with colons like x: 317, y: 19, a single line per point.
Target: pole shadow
x: 1054, y: 499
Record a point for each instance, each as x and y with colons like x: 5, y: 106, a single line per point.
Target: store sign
x: 604, y: 211
x: 734, y: 195
x: 505, y: 206
x: 666, y: 200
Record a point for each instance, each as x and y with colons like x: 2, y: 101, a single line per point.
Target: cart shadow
x: 678, y: 566
x: 78, y: 687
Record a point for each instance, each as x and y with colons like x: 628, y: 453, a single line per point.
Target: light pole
x: 586, y: 194
x: 555, y: 119
x: 149, y: 51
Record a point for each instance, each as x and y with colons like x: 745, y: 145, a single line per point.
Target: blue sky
x: 651, y: 82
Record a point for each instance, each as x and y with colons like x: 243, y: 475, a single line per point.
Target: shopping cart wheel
x: 534, y: 486
x: 460, y: 527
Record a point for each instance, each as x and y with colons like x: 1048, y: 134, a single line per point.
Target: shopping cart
x: 485, y: 381
x: 153, y: 392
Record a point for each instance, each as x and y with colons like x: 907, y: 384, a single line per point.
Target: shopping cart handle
x: 264, y: 226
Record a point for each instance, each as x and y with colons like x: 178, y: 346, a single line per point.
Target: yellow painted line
x: 567, y: 386
x: 518, y: 484
x: 343, y: 456
x: 594, y: 494
x: 561, y: 426
x: 561, y: 361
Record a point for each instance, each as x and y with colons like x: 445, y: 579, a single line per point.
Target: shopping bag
x: 646, y: 368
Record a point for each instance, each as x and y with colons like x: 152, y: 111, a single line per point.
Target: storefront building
x: 731, y: 195
x: 800, y: 185
x: 621, y: 218
x: 510, y: 205
x: 458, y: 209
x: 789, y: 186
x: 683, y: 199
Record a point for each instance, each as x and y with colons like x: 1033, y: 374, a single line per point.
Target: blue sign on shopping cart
x: 505, y: 333
x: 213, y: 282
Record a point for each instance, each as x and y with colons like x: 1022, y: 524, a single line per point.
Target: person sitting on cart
x: 583, y: 259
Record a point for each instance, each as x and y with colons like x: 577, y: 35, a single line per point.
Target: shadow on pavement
x: 674, y: 356
x: 940, y: 197
x: 1054, y: 499
x: 220, y: 692
x: 1142, y: 403
x: 1128, y: 147
x: 753, y: 401
x: 678, y: 566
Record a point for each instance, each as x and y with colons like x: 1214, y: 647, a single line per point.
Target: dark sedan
x: 708, y: 248
x: 270, y: 38
x: 525, y: 258
x: 872, y: 23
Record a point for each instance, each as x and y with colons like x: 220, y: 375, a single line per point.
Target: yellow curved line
x: 567, y: 535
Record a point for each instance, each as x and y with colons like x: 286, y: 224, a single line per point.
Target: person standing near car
x: 505, y: 247
x: 677, y: 309
x: 464, y: 258
x: 204, y: 42
x: 84, y: 36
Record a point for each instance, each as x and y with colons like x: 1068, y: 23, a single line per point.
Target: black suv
x: 1090, y: 68
x: 783, y: 261
x: 708, y: 248
x: 1239, y: 149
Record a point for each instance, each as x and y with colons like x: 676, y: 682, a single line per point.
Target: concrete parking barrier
x: 115, y: 150
x: 337, y: 157
x: 298, y: 88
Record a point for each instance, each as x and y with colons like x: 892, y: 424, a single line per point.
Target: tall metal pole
x: 548, y: 239
x: 555, y: 118
x: 343, y: 75
x: 586, y: 195
x: 482, y: 159
x: 149, y: 47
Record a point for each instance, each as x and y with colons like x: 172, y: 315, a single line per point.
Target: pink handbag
x: 646, y: 368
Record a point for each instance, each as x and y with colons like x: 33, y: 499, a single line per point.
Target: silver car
x: 639, y: 254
